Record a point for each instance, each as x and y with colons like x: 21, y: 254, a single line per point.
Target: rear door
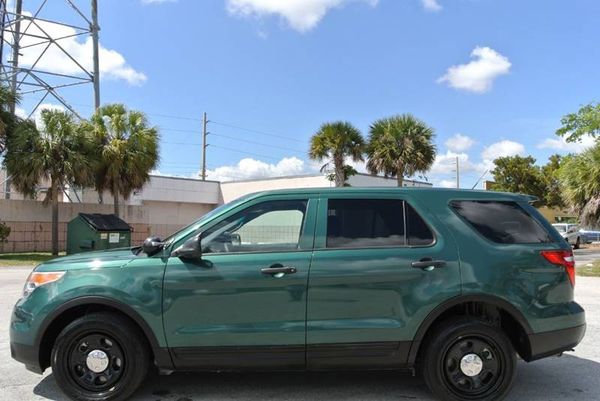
x: 380, y: 265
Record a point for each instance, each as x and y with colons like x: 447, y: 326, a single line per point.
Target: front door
x: 243, y: 305
x: 366, y: 294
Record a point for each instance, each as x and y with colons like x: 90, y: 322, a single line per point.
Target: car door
x: 243, y: 304
x: 381, y: 264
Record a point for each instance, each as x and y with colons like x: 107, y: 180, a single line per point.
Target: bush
x: 4, y: 232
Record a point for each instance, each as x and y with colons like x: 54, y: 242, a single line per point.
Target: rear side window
x: 418, y: 233
x: 364, y: 223
x: 503, y: 222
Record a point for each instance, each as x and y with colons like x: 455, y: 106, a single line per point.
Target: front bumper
x: 28, y: 355
x: 554, y: 342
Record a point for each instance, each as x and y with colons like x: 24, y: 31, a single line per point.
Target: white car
x: 570, y: 232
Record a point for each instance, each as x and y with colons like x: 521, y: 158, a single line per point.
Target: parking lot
x: 573, y: 376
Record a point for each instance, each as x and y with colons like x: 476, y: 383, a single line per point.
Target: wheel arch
x: 77, y: 307
x: 512, y: 316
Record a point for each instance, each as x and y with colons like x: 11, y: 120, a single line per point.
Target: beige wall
x: 30, y: 221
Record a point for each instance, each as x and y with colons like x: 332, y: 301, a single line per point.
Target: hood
x: 92, y: 260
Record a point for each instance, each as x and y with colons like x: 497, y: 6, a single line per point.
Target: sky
x: 492, y: 77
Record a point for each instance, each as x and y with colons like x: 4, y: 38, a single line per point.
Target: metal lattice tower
x: 23, y: 31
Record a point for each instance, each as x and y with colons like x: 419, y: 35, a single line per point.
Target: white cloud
x: 20, y: 112
x: 479, y: 74
x: 431, y: 5
x: 562, y: 146
x: 249, y: 168
x: 301, y: 15
x: 446, y: 163
x: 112, y: 64
x: 459, y: 143
x: 501, y: 149
x: 446, y: 183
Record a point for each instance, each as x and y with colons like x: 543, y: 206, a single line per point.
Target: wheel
x: 577, y: 243
x: 468, y: 359
x: 100, y: 357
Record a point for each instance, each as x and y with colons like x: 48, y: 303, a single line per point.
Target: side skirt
x: 345, y: 356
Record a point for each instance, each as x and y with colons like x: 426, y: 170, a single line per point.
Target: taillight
x: 562, y: 258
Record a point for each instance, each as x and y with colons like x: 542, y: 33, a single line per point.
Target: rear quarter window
x: 503, y: 222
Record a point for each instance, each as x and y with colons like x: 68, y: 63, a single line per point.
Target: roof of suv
x: 444, y: 192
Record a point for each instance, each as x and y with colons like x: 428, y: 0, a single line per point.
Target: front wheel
x: 100, y: 357
x: 469, y: 359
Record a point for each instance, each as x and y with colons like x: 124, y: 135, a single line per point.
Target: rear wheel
x: 100, y: 357
x: 469, y: 359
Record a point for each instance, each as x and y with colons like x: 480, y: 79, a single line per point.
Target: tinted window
x: 356, y: 223
x: 418, y: 233
x: 502, y: 222
x: 265, y: 227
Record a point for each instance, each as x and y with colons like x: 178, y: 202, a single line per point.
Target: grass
x: 590, y: 270
x: 24, y: 259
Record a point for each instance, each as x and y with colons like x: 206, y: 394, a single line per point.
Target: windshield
x: 206, y: 217
x: 561, y: 228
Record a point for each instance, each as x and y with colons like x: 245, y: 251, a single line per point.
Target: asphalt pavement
x: 573, y: 376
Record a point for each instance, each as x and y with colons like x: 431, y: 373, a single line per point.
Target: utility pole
x: 457, y: 174
x: 204, y: 145
x: 94, y: 28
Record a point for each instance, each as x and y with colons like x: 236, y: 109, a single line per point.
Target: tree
x: 550, y: 175
x: 4, y: 232
x: 58, y: 153
x: 580, y: 179
x: 519, y: 175
x: 400, y: 146
x: 577, y: 125
x: 128, y: 150
x: 8, y: 121
x: 336, y: 141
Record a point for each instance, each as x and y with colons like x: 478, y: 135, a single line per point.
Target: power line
x: 257, y: 143
x: 244, y: 152
x: 257, y: 131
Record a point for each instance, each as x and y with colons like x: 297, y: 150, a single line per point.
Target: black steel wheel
x: 468, y: 359
x: 100, y: 357
x: 96, y: 361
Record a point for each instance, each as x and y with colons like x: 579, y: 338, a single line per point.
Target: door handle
x: 278, y: 270
x: 428, y: 264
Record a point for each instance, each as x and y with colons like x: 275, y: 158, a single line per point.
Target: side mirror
x: 190, y: 250
x: 152, y: 245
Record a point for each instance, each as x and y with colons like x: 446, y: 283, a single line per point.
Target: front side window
x: 359, y: 223
x: 503, y: 222
x: 265, y: 227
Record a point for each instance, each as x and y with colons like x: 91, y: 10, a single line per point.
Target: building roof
x: 105, y: 222
x: 447, y: 192
x: 287, y: 177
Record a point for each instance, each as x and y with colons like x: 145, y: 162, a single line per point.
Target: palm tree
x: 8, y: 121
x: 128, y: 150
x: 336, y: 141
x: 580, y: 180
x: 400, y: 146
x: 57, y: 153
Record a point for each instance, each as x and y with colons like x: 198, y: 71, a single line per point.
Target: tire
x: 450, y: 369
x: 577, y: 243
x: 123, y: 353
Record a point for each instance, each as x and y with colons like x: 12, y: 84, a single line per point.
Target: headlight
x: 37, y: 279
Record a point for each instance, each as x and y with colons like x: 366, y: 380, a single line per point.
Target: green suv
x: 450, y: 284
